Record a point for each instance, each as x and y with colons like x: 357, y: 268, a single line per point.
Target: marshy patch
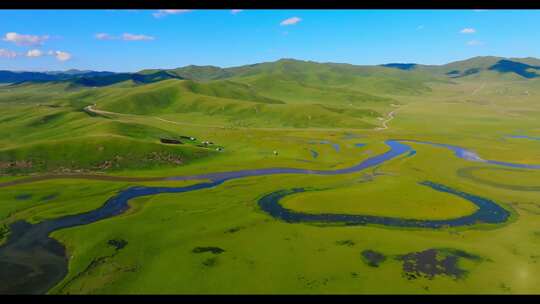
x: 312, y: 283
x: 433, y: 262
x: 49, y: 197
x: 373, y: 258
x: 23, y: 197
x: 97, y: 263
x: 210, y: 262
x: 234, y: 229
x: 533, y: 258
x: 351, y: 136
x: 505, y: 287
x: 170, y: 141
x: 213, y: 250
x: 348, y: 243
x: 118, y: 244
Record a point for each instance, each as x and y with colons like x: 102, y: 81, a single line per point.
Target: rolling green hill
x: 237, y: 101
x: 285, y: 93
x: 372, y: 79
x: 38, y: 117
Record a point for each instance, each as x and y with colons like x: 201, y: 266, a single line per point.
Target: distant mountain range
x: 478, y: 67
x: 15, y: 77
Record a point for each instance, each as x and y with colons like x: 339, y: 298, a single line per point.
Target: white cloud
x: 474, y: 43
x: 133, y: 37
x: 34, y: 53
x: 468, y: 30
x: 7, y: 54
x: 420, y: 27
x: 62, y: 56
x: 25, y: 40
x: 290, y: 21
x: 165, y: 12
x: 125, y: 37
x: 104, y: 36
x: 235, y: 11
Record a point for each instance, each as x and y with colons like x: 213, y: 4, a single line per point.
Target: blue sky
x: 131, y: 40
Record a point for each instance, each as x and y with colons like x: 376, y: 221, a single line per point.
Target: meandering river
x: 33, y: 262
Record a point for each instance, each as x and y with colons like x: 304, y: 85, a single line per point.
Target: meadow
x: 218, y: 240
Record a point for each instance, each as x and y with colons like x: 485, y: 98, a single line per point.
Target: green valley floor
x: 218, y: 240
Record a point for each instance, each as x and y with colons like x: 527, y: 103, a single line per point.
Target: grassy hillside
x: 37, y: 138
x: 363, y: 78
x: 231, y: 101
x: 94, y: 153
x: 265, y: 100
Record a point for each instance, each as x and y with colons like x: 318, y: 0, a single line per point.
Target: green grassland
x: 287, y: 107
x: 403, y: 198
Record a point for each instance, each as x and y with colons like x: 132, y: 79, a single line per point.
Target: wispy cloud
x: 25, y: 40
x: 235, y: 11
x: 468, y: 30
x: 474, y: 43
x: 420, y: 27
x: 290, y: 21
x: 61, y: 56
x: 134, y: 37
x: 34, y: 53
x: 7, y: 54
x: 104, y: 36
x: 164, y: 12
x: 125, y: 37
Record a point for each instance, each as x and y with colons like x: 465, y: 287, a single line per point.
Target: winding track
x: 92, y: 109
x: 33, y: 262
x: 385, y: 122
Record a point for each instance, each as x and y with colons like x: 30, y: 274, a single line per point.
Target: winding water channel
x: 33, y: 262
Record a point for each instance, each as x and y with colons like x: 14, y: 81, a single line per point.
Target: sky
x: 132, y: 40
